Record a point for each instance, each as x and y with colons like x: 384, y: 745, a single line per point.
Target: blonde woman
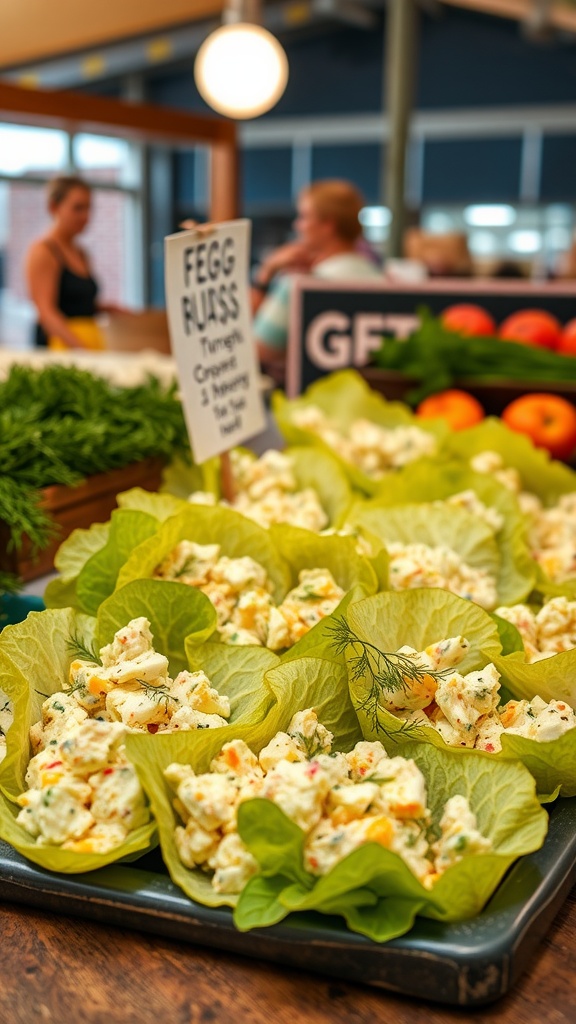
x: 60, y: 280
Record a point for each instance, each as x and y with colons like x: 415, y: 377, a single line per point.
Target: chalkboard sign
x: 334, y: 324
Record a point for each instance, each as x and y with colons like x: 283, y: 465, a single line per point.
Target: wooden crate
x: 71, y: 507
x: 494, y: 395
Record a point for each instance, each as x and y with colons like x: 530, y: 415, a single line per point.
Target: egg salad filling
x: 340, y: 801
x: 464, y: 708
x: 267, y: 492
x: 492, y: 464
x: 83, y: 794
x: 470, y: 502
x: 375, y: 450
x: 241, y: 592
x: 549, y: 631
x: 552, y: 531
x: 6, y: 716
x: 552, y: 538
x: 420, y: 565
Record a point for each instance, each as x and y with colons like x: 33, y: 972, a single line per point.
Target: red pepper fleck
x: 55, y: 764
x: 153, y: 727
x: 489, y: 747
x: 108, y: 771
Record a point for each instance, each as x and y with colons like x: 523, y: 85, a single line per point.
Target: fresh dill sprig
x: 157, y: 693
x: 78, y: 648
x: 382, y: 671
x: 311, y: 744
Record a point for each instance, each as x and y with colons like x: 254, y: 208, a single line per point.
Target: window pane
x: 107, y: 242
x: 359, y: 163
x: 32, y: 150
x: 23, y: 217
x: 102, y: 158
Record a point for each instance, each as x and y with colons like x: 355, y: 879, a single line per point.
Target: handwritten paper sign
x: 211, y: 333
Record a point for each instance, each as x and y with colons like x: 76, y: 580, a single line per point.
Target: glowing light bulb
x: 241, y: 70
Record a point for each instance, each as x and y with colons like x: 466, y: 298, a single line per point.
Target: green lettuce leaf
x: 345, y: 397
x: 237, y: 536
x: 34, y: 662
x: 540, y: 474
x: 181, y: 478
x: 175, y: 613
x: 263, y: 701
x: 453, y: 528
x: 303, y: 549
x: 552, y: 679
x: 70, y: 558
x: 97, y: 578
x: 509, y: 636
x: 372, y: 888
x: 161, y: 506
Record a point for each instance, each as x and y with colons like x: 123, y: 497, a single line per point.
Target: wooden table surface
x: 60, y: 970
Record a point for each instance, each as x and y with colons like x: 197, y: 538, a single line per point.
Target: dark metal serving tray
x: 467, y: 964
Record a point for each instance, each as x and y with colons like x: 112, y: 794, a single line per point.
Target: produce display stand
x: 338, y: 324
x: 92, y: 501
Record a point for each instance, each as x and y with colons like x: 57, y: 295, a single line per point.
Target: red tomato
x: 532, y: 327
x: 549, y: 420
x: 468, y: 319
x: 458, y: 407
x: 567, y: 344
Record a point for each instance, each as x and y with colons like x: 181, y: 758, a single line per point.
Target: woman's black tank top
x: 76, y: 294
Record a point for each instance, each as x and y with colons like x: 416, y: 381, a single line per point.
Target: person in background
x: 327, y: 235
x: 58, y: 273
x: 444, y: 255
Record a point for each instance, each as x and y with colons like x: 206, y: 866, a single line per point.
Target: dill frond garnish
x: 382, y: 672
x: 157, y: 693
x: 78, y: 648
x: 311, y: 744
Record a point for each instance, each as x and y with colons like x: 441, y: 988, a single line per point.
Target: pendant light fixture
x: 241, y: 69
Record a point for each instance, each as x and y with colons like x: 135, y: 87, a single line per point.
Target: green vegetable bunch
x: 61, y: 424
x: 437, y: 358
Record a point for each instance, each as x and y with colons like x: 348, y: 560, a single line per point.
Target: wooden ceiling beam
x: 139, y: 122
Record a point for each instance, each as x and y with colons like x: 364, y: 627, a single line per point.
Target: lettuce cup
x: 433, y: 545
x: 545, y: 489
x: 296, y: 486
x: 450, y: 485
x: 307, y: 816
x: 370, y: 437
x: 70, y: 799
x: 427, y: 666
x: 272, y: 588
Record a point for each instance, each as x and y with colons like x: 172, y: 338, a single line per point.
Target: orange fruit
x: 458, y: 407
x: 549, y: 420
x: 468, y: 319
